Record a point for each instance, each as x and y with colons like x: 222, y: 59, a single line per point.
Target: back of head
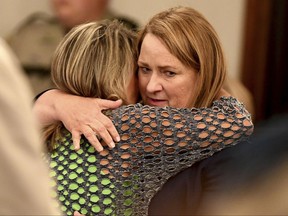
x: 95, y: 60
x: 192, y: 39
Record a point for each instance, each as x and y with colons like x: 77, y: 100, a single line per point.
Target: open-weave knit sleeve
x: 156, y: 143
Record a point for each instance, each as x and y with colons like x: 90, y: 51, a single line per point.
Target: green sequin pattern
x: 156, y: 143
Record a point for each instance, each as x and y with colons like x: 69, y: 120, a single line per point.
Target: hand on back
x: 80, y: 115
x: 85, y: 116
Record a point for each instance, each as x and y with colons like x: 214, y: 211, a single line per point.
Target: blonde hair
x: 94, y: 60
x: 192, y: 39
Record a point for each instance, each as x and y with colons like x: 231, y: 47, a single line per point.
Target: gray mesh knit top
x: 156, y: 143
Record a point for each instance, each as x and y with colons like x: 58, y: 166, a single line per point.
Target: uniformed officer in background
x: 35, y: 40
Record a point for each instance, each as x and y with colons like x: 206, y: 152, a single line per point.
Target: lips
x: 156, y: 102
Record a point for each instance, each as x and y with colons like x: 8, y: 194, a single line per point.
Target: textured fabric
x: 156, y: 143
x: 231, y: 173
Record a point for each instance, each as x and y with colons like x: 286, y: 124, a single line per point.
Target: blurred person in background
x: 74, y: 12
x: 24, y: 182
x: 36, y: 39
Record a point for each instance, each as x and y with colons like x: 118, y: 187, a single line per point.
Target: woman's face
x: 163, y: 79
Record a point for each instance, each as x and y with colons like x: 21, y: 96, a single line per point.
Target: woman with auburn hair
x: 175, y: 128
x: 192, y: 40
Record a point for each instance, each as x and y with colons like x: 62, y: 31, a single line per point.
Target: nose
x: 154, y: 84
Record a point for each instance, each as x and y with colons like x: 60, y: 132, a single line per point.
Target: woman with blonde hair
x: 95, y: 60
x: 179, y: 127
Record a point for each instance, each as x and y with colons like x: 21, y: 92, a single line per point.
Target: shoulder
x: 230, y: 104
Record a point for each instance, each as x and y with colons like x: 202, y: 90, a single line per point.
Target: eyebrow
x: 160, y: 67
x: 142, y: 63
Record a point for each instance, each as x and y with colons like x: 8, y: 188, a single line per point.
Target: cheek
x: 180, y: 98
x: 183, y: 92
x: 191, y: 88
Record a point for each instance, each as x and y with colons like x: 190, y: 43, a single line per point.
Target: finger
x: 108, y: 104
x: 76, y: 136
x: 113, y: 132
x: 76, y: 213
x: 102, y: 132
x: 109, y: 126
x: 91, y: 137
